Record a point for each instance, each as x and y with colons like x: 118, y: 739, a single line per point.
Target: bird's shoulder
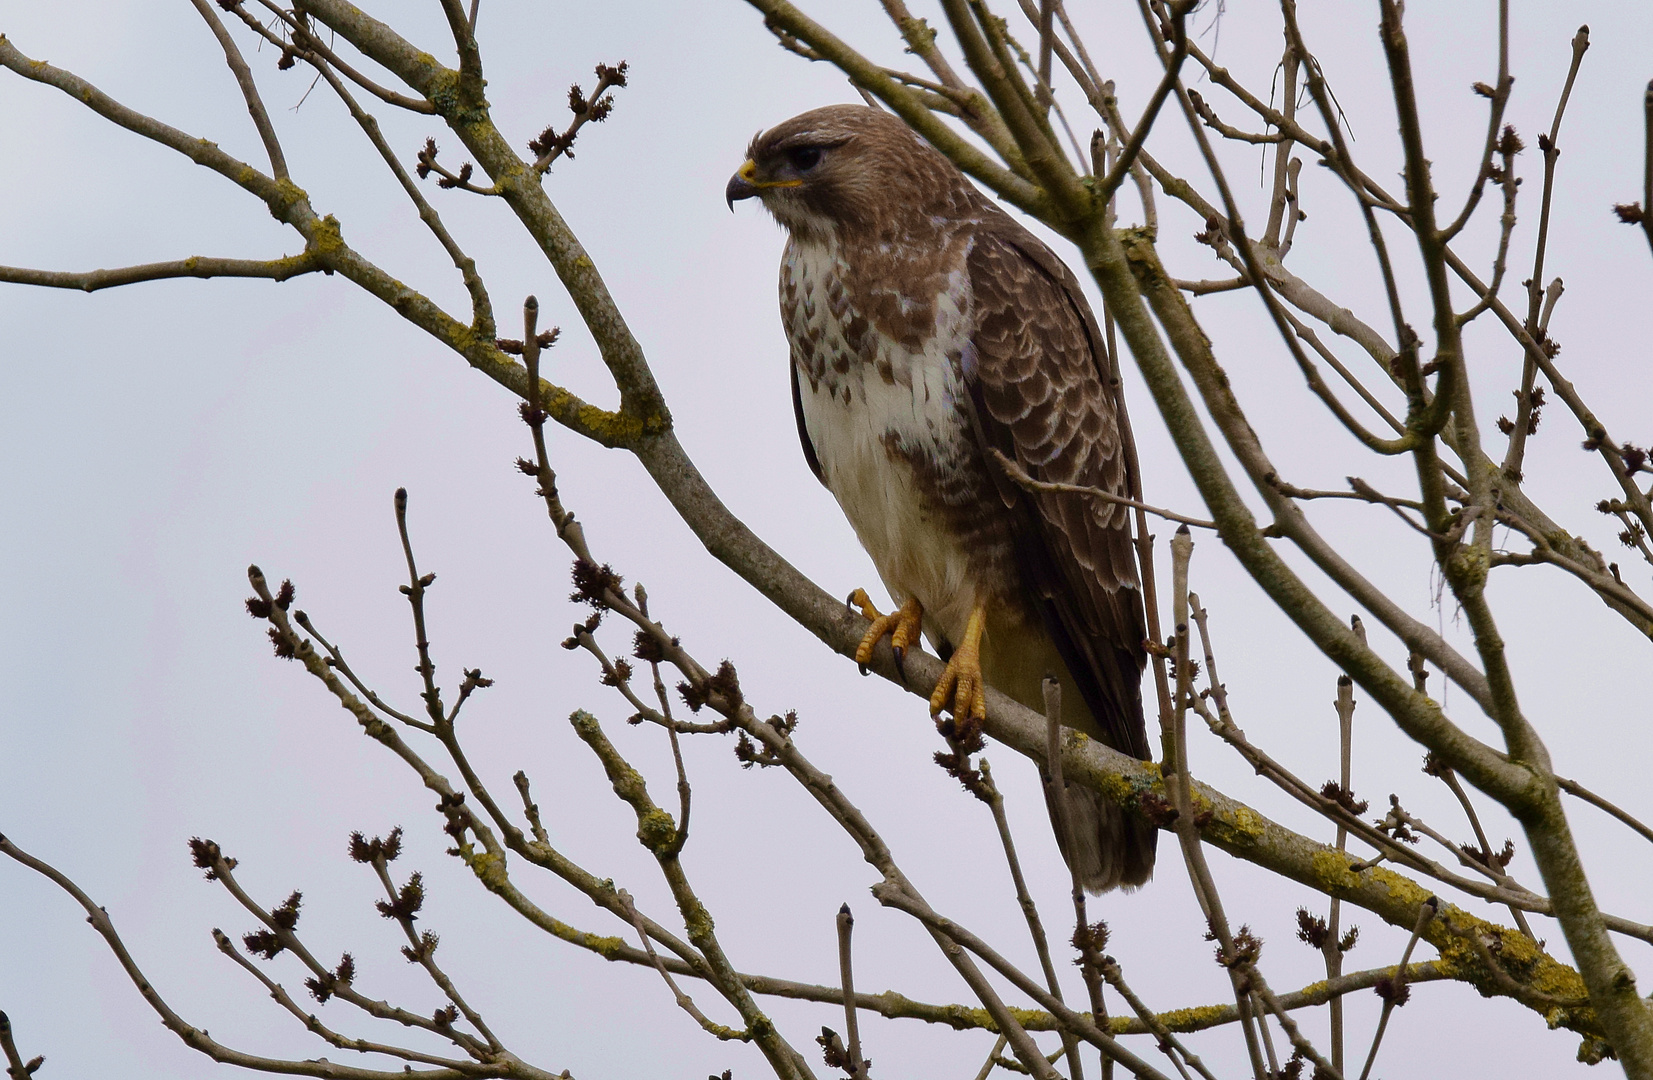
x: 1006, y: 254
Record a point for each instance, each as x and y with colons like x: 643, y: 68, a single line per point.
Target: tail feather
x: 1109, y: 848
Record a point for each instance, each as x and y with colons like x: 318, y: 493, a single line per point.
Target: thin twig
x: 1205, y: 288
x: 1499, y: 95
x: 422, y: 949
x: 1030, y: 910
x: 1647, y: 165
x: 1047, y: 27
x: 312, y: 1024
x: 1282, y: 208
x: 196, y: 266
x: 1510, y: 184
x: 1083, y: 937
x: 249, y: 88
x: 684, y: 1001
x: 530, y: 808
x: 992, y: 1061
x: 1169, y: 1044
x: 1180, y: 781
x: 1450, y: 779
x: 1577, y: 790
x: 1307, y: 333
x: 304, y: 40
x: 1535, y: 289
x: 1332, y: 949
x: 414, y: 590
x: 337, y: 662
x: 1022, y: 479
x: 846, y: 978
x: 16, y: 1067
x: 1173, y: 67
x: 1395, y: 992
x: 193, y: 1037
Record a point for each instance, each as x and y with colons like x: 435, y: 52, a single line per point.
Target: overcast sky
x: 159, y: 438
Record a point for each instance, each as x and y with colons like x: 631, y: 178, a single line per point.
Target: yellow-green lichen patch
x: 698, y: 921
x: 628, y: 782
x: 1540, y: 978
x: 1331, y: 870
x: 463, y: 340
x: 918, y: 34
x: 490, y: 870
x: 1195, y: 1019
x: 1028, y: 1018
x: 1246, y: 823
x: 1400, y: 887
x: 443, y: 94
x: 326, y: 238
x: 1128, y: 788
x: 958, y: 1017
x: 1521, y: 955
x: 291, y: 194
x: 608, y: 948
x: 1468, y: 565
x: 510, y: 175
x: 608, y: 428
x: 1315, y: 991
x: 657, y: 830
x: 1456, y: 960
x: 445, y: 97
x: 1117, y: 788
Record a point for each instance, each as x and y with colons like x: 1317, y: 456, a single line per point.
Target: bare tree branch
x: 195, y: 266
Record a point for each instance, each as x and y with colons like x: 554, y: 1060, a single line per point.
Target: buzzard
x: 928, y: 328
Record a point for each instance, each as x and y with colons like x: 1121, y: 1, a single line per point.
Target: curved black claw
x: 864, y: 670
x: 900, y: 661
x: 849, y: 603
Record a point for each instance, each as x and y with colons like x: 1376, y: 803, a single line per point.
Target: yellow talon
x: 961, y: 684
x: 903, y: 628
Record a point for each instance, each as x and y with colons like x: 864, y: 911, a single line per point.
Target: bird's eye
x: 804, y: 158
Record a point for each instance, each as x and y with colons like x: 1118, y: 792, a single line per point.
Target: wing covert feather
x: 1042, y: 397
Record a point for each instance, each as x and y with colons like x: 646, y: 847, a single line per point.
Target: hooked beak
x: 741, y: 184
x: 745, y: 183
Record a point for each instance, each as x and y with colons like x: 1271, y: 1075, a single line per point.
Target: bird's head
x: 844, y: 166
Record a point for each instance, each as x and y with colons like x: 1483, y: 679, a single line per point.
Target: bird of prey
x: 927, y: 329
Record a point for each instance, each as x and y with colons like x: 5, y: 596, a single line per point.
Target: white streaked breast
x: 853, y: 419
